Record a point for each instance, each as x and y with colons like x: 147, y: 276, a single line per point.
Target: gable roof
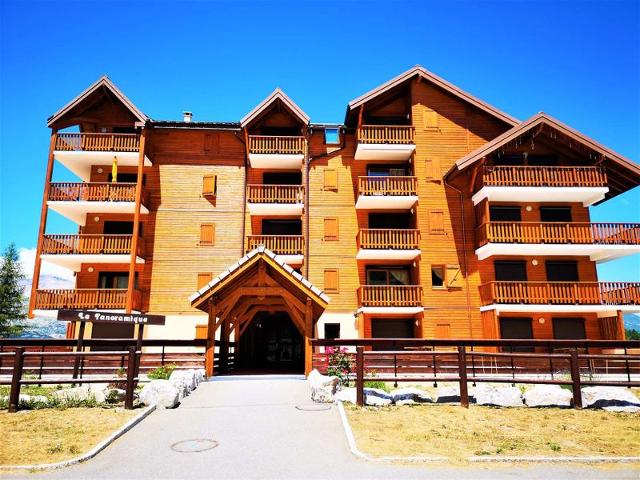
x: 436, y: 80
x: 276, y: 95
x: 105, y: 82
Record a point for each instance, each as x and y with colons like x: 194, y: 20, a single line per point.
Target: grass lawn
x: 52, y: 435
x: 457, y: 433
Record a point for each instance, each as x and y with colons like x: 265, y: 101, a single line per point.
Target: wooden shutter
x: 209, y: 185
x: 331, y: 229
x: 331, y: 179
x: 207, y: 234
x: 432, y: 169
x: 430, y: 118
x: 443, y: 330
x: 436, y: 222
x: 201, y: 331
x: 454, y: 276
x: 211, y: 142
x: 203, y: 279
x: 331, y: 281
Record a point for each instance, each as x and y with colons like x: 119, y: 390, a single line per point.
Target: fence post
x: 575, y: 379
x: 360, y: 376
x: 131, y: 375
x: 14, y: 395
x: 462, y: 371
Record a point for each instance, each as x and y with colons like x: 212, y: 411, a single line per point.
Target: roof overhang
x: 277, y: 95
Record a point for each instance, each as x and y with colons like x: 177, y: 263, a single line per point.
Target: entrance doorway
x: 271, y: 343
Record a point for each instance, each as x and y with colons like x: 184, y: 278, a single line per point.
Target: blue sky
x: 577, y: 61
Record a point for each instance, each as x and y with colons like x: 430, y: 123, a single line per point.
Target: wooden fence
x: 389, y: 238
x: 397, y: 134
x: 392, y: 186
x: 276, y: 145
x: 530, y: 176
x: 559, y: 232
x: 98, y: 142
x: 390, y: 295
x: 260, y: 193
x: 278, y: 244
x: 89, y: 244
x: 92, y: 192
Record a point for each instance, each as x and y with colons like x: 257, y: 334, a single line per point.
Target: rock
x: 79, y: 394
x: 323, y: 387
x: 184, y: 381
x: 161, y: 393
x: 346, y: 395
x: 452, y: 394
x: 377, y: 397
x: 548, y: 396
x: 200, y: 375
x: 114, y: 395
x: 38, y: 399
x: 613, y: 399
x: 498, y: 396
x: 410, y: 395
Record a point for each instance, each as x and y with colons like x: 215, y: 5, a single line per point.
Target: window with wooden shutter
x: 454, y: 276
x: 331, y: 281
x: 331, y: 229
x: 331, y: 179
x: 207, y: 234
x: 432, y: 169
x: 209, y: 185
x: 436, y: 222
x: 203, y: 279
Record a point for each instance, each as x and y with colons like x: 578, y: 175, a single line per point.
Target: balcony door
x: 391, y: 328
x: 504, y: 214
x: 113, y: 280
x: 569, y: 329
x: 562, y: 271
x: 281, y: 227
x: 555, y: 214
x: 510, y: 270
x: 390, y: 220
x: 388, y: 276
x: 387, y: 170
x: 118, y: 228
x: 516, y: 328
x: 280, y: 131
x: 282, y: 178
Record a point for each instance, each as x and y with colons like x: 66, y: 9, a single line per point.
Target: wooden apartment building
x: 427, y: 213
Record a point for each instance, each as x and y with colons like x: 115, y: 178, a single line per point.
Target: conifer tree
x: 12, y: 301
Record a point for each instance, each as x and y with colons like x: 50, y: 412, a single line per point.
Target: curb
x: 473, y: 459
x: 91, y: 453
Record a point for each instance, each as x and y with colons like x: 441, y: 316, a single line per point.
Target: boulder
x: 498, y: 396
x: 614, y: 399
x: 323, y: 387
x: 200, y: 376
x: 451, y: 394
x: 80, y: 394
x: 377, y: 397
x: 161, y: 393
x: 184, y: 381
x: 346, y: 395
x: 114, y: 395
x: 548, y: 396
x: 410, y: 395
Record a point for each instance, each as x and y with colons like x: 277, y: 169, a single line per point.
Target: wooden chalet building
x: 428, y: 213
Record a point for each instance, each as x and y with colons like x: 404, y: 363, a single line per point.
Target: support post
x: 136, y: 224
x: 462, y: 370
x: 14, y: 395
x: 224, y: 346
x: 308, y: 335
x: 131, y: 376
x: 575, y: 379
x: 211, y: 339
x: 79, y: 348
x: 360, y: 376
x: 139, y: 344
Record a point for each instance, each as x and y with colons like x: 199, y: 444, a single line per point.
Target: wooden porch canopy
x: 257, y: 282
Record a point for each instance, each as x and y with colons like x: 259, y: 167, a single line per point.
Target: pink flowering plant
x: 339, y: 364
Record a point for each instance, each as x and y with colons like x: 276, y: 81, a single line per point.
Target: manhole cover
x: 196, y: 445
x: 313, y: 408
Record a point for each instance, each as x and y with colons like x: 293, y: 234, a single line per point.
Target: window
x: 112, y: 227
x: 207, y: 234
x: 330, y: 179
x: 388, y: 276
x: 124, y: 177
x: 555, y: 214
x: 542, y: 160
x: 515, y: 159
x: 514, y: 328
x: 282, y: 178
x: 504, y: 214
x: 569, y: 329
x: 113, y: 279
x: 436, y: 222
x: 390, y: 220
x: 331, y: 330
x: 331, y: 281
x: 281, y: 227
x: 437, y: 276
x: 387, y: 171
x: 562, y: 271
x: 331, y: 229
x: 203, y: 279
x: 391, y: 328
x: 209, y: 185
x: 332, y: 135
x: 510, y: 271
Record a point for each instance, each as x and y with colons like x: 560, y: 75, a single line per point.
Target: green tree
x: 632, y: 334
x: 12, y: 302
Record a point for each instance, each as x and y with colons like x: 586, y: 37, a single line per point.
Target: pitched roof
x: 277, y: 94
x: 105, y: 82
x: 436, y: 80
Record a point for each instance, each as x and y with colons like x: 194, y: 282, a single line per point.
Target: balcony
x: 290, y: 248
x: 385, y: 142
x: 75, y: 200
x: 390, y: 299
x: 569, y: 297
x: 273, y: 200
x: 86, y: 298
x: 276, y: 152
x: 387, y: 193
x: 599, y: 241
x: 541, y: 184
x: 79, y: 151
x: 388, y: 244
x: 71, y: 251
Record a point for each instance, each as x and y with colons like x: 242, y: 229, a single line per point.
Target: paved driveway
x: 262, y: 434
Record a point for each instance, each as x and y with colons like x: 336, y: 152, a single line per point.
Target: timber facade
x: 427, y: 213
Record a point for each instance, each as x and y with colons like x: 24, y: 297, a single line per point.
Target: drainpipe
x: 244, y: 193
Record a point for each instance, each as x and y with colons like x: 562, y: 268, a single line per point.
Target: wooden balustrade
x: 390, y: 295
x: 398, y: 134
x: 380, y: 186
x: 561, y: 293
x: 275, y: 193
x: 98, y: 142
x: 278, y: 244
x: 92, y: 192
x: 389, y: 238
x: 276, y: 145
x: 99, y: 298
x: 90, y: 244
x: 526, y: 176
x: 559, y: 232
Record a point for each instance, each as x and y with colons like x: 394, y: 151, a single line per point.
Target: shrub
x: 339, y: 364
x: 162, y: 373
x: 377, y: 384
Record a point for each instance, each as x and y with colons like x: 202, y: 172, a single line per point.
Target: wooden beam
x: 211, y: 336
x: 308, y: 335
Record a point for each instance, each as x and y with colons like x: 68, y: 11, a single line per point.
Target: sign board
x: 109, y: 317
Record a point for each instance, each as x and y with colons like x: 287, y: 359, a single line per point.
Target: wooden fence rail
x: 92, y: 298
x: 392, y: 186
x: 397, y: 134
x: 559, y: 232
x: 89, y: 244
x: 278, y: 244
x: 274, y: 145
x: 390, y: 295
x: 528, y: 176
x: 92, y: 192
x: 275, y: 193
x: 98, y: 142
x: 389, y: 238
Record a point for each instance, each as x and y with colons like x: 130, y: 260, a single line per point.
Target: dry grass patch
x: 52, y: 435
x: 457, y: 433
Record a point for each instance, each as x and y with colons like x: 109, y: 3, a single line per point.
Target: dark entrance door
x: 271, y: 342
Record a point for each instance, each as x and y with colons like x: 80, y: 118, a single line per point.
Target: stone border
x: 473, y: 459
x: 91, y: 453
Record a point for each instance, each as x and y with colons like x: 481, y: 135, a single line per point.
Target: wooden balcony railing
x: 278, y: 244
x: 561, y: 293
x: 97, y: 298
x: 380, y: 186
x: 390, y: 295
x: 90, y: 245
x: 93, y: 192
x: 398, y: 134
x: 275, y: 193
x: 559, y: 232
x: 276, y: 145
x: 389, y: 238
x: 523, y: 176
x: 98, y: 142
